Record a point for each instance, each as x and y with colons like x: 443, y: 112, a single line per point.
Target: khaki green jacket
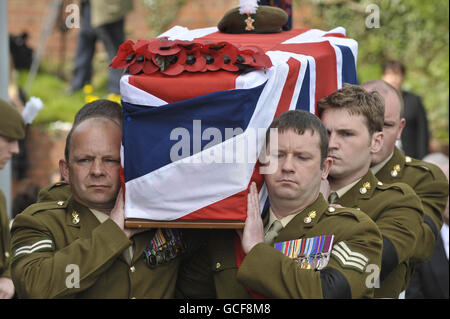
x: 397, y: 211
x: 54, y: 192
x: 267, y: 271
x: 49, y: 243
x: 5, y: 251
x: 430, y: 184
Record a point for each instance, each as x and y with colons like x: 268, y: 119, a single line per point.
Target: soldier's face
x: 8, y: 147
x: 392, y: 129
x: 93, y: 168
x: 298, y: 170
x: 350, y: 144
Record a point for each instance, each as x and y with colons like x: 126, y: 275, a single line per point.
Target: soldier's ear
x: 326, y: 166
x: 377, y: 142
x: 400, y: 130
x: 64, y: 169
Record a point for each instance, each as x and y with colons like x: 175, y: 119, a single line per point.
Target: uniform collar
x: 80, y: 217
x: 394, y: 168
x: 304, y: 220
x: 363, y: 189
x: 376, y: 168
x: 341, y: 192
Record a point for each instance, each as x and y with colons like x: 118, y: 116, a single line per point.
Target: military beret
x: 11, y: 122
x: 267, y: 20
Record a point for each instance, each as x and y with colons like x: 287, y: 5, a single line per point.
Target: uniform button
x: 133, y: 297
x: 331, y: 209
x: 60, y: 203
x: 218, y: 265
x: 132, y: 269
x: 6, y: 254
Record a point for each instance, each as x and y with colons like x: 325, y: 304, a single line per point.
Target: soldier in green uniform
x: 12, y: 129
x: 390, y: 165
x: 79, y: 248
x: 303, y: 248
x: 354, y: 121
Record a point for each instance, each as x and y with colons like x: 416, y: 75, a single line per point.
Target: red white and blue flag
x: 191, y: 142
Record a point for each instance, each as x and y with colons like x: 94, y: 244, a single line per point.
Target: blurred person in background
x: 102, y: 20
x: 415, y: 137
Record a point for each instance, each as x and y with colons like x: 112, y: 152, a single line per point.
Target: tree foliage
x: 415, y: 32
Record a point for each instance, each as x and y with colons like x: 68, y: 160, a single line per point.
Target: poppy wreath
x: 172, y: 57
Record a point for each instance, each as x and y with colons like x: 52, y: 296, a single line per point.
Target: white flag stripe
x: 344, y: 262
x: 189, y: 175
x: 347, y: 257
x: 131, y: 94
x: 45, y: 241
x: 352, y: 253
x: 33, y: 250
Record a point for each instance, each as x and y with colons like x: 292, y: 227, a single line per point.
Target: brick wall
x: 29, y: 16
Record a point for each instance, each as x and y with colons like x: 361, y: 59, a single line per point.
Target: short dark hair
x: 394, y: 65
x: 101, y: 108
x: 299, y: 121
x: 357, y: 101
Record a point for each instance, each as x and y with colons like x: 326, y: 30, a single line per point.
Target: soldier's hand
x: 6, y: 288
x: 118, y: 216
x: 253, y: 230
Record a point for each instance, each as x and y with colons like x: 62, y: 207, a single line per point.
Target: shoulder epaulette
x: 409, y: 161
x: 343, y: 211
x: 44, y: 206
x: 57, y: 184
x: 402, y: 187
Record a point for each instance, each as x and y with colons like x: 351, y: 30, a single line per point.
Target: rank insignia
x: 309, y: 253
x: 349, y: 258
x: 166, y: 245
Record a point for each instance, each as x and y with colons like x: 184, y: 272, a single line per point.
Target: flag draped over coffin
x: 184, y: 136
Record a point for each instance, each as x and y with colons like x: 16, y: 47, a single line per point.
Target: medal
x: 166, y: 245
x: 310, y: 253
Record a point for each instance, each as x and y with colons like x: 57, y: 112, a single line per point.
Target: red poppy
x: 125, y: 55
x: 194, y: 60
x: 143, y: 60
x: 254, y: 56
x: 173, y: 64
x: 163, y: 46
x: 214, y: 60
x: 229, y: 53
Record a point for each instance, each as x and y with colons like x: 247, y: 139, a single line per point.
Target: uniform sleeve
x: 41, y: 271
x: 432, y: 190
x: 5, y: 253
x: 400, y: 224
x: 269, y: 272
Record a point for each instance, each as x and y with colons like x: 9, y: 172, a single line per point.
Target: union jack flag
x: 166, y: 179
